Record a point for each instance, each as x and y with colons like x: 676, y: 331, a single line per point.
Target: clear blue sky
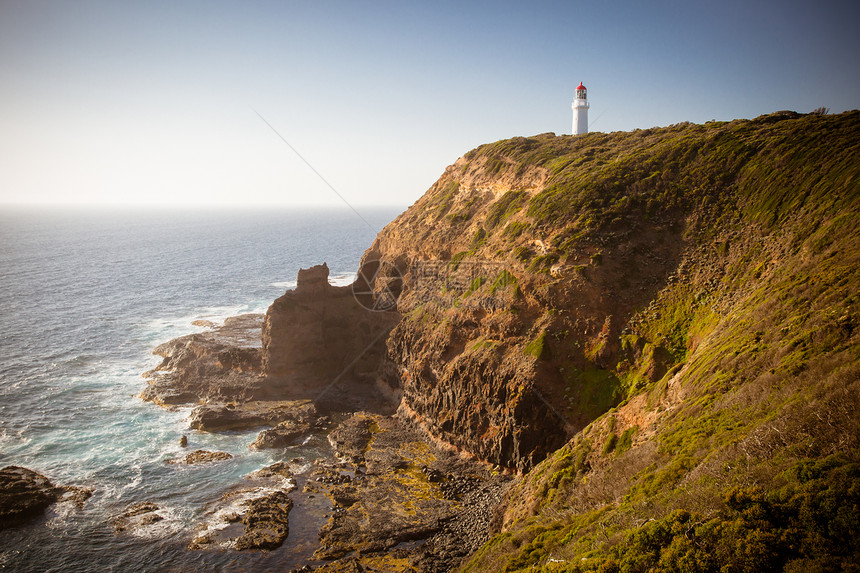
x: 157, y: 102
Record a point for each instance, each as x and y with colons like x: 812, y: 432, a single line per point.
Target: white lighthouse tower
x: 580, y: 111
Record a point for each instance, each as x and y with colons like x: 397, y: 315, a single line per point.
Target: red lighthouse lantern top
x: 580, y: 91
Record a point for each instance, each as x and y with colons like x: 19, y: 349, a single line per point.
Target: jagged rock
x: 137, y: 516
x: 261, y: 506
x: 300, y: 422
x: 75, y: 495
x: 24, y: 494
x: 281, y: 435
x: 241, y: 416
x: 318, y: 336
x: 266, y: 522
x: 281, y: 469
x: 201, y: 457
x: 351, y: 437
x: 221, y: 364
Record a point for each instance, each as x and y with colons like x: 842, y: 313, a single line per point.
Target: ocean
x: 85, y: 295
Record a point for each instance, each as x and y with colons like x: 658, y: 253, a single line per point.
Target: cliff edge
x: 657, y: 329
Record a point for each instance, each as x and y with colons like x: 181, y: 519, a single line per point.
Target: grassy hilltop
x: 674, y: 365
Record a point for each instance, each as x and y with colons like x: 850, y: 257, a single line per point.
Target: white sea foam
x: 164, y: 329
x: 173, y: 520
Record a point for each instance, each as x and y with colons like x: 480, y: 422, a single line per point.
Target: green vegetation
x: 592, y: 392
x: 507, y: 205
x: 810, y: 523
x: 476, y: 283
x: 445, y: 197
x: 514, y: 229
x: 539, y: 348
x: 736, y: 376
x: 503, y: 281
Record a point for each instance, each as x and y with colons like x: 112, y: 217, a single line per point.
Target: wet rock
x: 345, y: 496
x: 183, y: 442
x: 254, y: 515
x: 201, y: 457
x: 75, y: 495
x: 221, y: 364
x: 393, y: 502
x: 24, y: 495
x: 241, y: 416
x: 278, y: 469
x: 136, y: 516
x: 329, y: 476
x: 301, y: 421
x: 383, y: 512
x: 266, y: 522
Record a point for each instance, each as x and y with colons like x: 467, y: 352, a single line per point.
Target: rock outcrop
x: 254, y: 515
x: 221, y: 364
x: 299, y: 423
x: 392, y: 488
x: 321, y: 341
x: 137, y: 517
x: 26, y: 494
x: 219, y: 417
x: 201, y: 457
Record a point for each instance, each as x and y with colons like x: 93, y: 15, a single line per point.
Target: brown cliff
x: 548, y: 279
x: 319, y: 337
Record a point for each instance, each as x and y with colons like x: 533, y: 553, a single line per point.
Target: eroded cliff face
x: 320, y: 337
x: 533, y: 270
x: 505, y: 342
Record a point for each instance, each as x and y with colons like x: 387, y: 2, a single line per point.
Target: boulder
x: 24, y: 495
x: 246, y: 415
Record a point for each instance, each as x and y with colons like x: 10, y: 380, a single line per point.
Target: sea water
x: 85, y: 295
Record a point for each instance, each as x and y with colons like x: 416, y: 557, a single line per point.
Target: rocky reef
x: 310, y: 368
x: 252, y: 515
x: 26, y: 494
x: 220, y: 364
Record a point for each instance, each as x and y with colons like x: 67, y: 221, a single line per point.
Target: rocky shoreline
x: 396, y: 499
x: 388, y: 498
x: 26, y: 494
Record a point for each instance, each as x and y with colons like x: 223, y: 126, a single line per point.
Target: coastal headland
x: 589, y: 353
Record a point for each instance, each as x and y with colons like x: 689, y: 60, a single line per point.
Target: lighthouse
x: 580, y: 111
